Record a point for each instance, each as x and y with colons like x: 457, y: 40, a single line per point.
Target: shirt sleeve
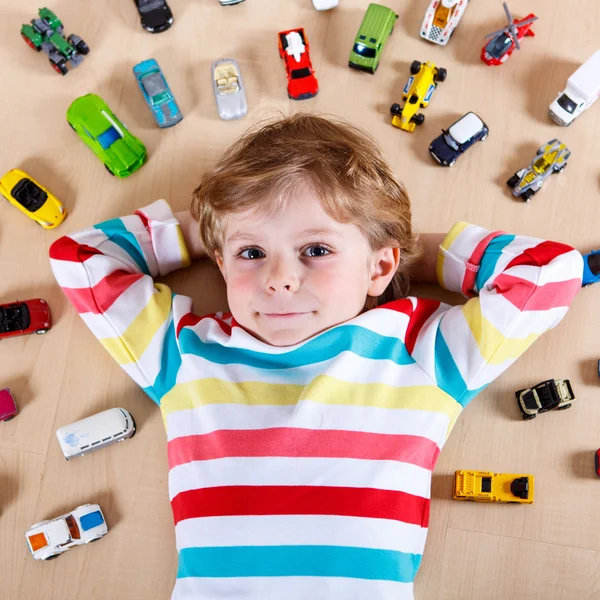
x: 519, y: 287
x: 107, y: 272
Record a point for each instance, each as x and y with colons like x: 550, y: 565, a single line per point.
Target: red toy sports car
x: 21, y: 318
x: 294, y: 49
x: 504, y: 41
x: 8, y: 406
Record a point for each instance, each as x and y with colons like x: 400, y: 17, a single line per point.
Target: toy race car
x: 32, y: 199
x: 504, y: 41
x: 483, y: 486
x: 22, y: 318
x: 457, y: 139
x: 155, y: 15
x: 550, y: 158
x: 101, y: 131
x: 46, y: 33
x: 49, y: 539
x: 441, y: 19
x: 294, y: 50
x: 228, y: 87
x: 417, y: 93
x: 548, y: 395
x: 591, y: 270
x: 157, y: 93
x: 8, y: 406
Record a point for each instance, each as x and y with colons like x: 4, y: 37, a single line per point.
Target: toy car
x: 597, y: 462
x: 550, y: 158
x: 591, y: 269
x: 228, y: 87
x: 417, y: 93
x: 504, y: 41
x: 294, y: 49
x: 46, y: 33
x: 22, y: 318
x: 155, y: 15
x: 32, y: 199
x: 101, y: 131
x: 548, y: 395
x: 157, y: 93
x: 8, y: 406
x: 459, y: 137
x: 49, y: 539
x: 324, y: 4
x: 376, y: 27
x: 483, y: 486
x: 441, y: 19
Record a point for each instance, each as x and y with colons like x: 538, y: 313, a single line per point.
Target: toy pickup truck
x: 548, y: 395
x: 483, y: 486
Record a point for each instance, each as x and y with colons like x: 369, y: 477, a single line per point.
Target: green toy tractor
x: 46, y: 33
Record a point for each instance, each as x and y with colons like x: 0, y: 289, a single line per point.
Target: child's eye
x: 250, y: 253
x: 318, y: 250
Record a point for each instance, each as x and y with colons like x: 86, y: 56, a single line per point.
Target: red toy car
x: 504, y: 41
x: 8, y: 406
x: 21, y: 318
x: 294, y: 49
x: 598, y: 462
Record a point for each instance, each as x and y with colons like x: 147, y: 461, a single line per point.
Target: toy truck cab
x: 583, y: 89
x: 548, y: 395
x: 484, y: 486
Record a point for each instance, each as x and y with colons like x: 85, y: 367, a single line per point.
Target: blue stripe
x: 298, y: 561
x: 448, y: 376
x: 169, y: 365
x: 117, y: 233
x: 490, y: 259
x: 328, y: 345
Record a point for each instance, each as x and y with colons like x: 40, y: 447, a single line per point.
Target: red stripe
x: 67, y: 249
x: 540, y: 255
x: 144, y: 219
x: 474, y: 261
x: 101, y: 297
x: 425, y: 308
x: 191, y: 320
x: 297, y: 442
x: 244, y: 500
x: 525, y: 295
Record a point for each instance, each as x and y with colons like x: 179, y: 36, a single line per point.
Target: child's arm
x: 519, y: 288
x: 107, y: 272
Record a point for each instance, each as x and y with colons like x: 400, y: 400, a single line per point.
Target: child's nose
x: 282, y: 276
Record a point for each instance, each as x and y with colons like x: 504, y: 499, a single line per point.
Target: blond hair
x: 340, y: 164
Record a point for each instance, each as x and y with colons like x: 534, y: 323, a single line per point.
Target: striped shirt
x: 303, y: 472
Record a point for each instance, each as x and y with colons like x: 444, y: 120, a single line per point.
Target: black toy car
x: 156, y: 16
x: 548, y: 395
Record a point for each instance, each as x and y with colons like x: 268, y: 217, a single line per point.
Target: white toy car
x: 228, y: 87
x: 324, y: 4
x: 441, y: 20
x: 49, y: 539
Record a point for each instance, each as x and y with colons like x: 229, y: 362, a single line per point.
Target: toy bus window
x: 84, y: 447
x: 486, y: 484
x: 105, y: 439
x: 73, y: 529
x: 94, y: 443
x: 373, y: 40
x: 362, y: 37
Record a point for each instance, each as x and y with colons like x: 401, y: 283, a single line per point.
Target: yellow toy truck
x: 417, y: 93
x: 483, y: 486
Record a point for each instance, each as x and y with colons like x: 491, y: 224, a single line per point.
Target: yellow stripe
x: 456, y: 230
x: 494, y: 347
x: 185, y: 255
x: 132, y: 344
x: 323, y: 389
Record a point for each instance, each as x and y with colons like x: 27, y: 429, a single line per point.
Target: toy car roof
x: 466, y: 127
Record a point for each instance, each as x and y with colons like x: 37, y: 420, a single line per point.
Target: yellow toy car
x: 417, y: 94
x: 32, y: 198
x: 482, y: 486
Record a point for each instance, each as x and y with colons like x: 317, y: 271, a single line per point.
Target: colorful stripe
x: 489, y: 261
x: 468, y: 284
x: 118, y: 234
x: 526, y: 295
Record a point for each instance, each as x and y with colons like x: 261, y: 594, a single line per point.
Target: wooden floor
x: 549, y: 550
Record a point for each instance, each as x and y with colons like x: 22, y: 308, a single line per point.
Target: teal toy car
x: 101, y: 131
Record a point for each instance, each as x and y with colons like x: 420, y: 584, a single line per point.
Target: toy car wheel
x: 59, y: 67
x: 513, y: 181
x: 452, y: 162
x: 94, y: 540
x: 71, y: 126
x: 41, y: 331
x: 418, y: 119
x: 82, y: 47
x: 441, y: 75
x: 561, y: 168
x: 108, y: 169
x: 526, y: 195
x: 528, y: 417
x: 564, y: 407
x: 395, y: 109
x: 52, y: 557
x: 9, y: 418
x: 30, y: 43
x: 415, y: 67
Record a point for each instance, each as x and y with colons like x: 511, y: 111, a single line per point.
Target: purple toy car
x: 8, y: 406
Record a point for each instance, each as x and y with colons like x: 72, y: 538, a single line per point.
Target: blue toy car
x: 460, y: 136
x: 157, y: 93
x: 591, y: 268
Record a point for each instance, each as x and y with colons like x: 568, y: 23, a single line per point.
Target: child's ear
x: 219, y: 261
x: 383, y: 266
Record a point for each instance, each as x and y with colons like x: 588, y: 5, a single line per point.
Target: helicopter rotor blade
x: 517, y: 45
x: 527, y: 21
x: 508, y: 15
x: 495, y: 33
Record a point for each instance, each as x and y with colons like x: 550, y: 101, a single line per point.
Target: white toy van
x: 95, y: 432
x: 583, y: 89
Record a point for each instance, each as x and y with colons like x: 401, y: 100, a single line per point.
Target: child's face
x: 298, y: 272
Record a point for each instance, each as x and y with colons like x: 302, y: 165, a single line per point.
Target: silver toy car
x: 551, y: 158
x: 229, y: 89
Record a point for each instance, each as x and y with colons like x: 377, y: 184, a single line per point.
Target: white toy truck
x: 583, y: 89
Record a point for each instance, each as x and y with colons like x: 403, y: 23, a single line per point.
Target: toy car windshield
x: 149, y: 5
x: 529, y: 400
x: 593, y: 262
x: 364, y: 51
x: 29, y: 195
x: 155, y: 88
x: 567, y: 104
x: 108, y: 138
x: 301, y: 73
x: 450, y: 141
x: 498, y: 46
